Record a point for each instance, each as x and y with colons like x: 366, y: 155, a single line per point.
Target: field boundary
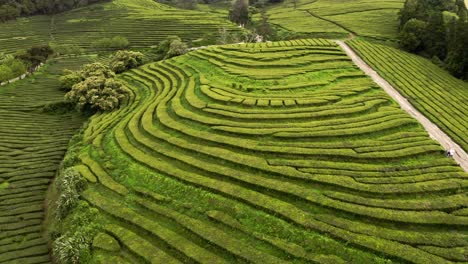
x: 461, y: 157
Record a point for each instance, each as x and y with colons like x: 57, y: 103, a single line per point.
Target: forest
x: 437, y: 29
x: 10, y: 9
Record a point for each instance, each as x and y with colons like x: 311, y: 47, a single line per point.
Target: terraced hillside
x: 115, y: 18
x: 437, y: 94
x: 32, y: 145
x: 269, y: 153
x: 376, y: 19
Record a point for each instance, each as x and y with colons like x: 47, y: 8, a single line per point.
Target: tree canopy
x: 10, y: 9
x: 437, y: 29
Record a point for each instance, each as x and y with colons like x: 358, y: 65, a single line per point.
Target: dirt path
x: 461, y: 157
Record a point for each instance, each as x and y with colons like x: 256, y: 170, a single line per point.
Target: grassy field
x: 441, y: 97
x: 32, y: 145
x: 115, y: 18
x: 375, y: 19
x: 268, y: 153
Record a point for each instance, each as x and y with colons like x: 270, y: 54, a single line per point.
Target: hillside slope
x: 332, y: 18
x: 439, y: 96
x: 143, y: 22
x: 270, y: 153
x: 32, y: 145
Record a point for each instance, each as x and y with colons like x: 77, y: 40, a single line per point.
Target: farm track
x: 32, y: 145
x: 434, y: 131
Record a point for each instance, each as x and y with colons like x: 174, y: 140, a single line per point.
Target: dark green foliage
x: 436, y: 29
x: 124, y: 60
x: 239, y: 12
x: 35, y: 55
x: 10, y: 9
x: 170, y: 47
x: 412, y: 35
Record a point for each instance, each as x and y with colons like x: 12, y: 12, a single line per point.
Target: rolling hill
x: 268, y: 153
x: 82, y: 26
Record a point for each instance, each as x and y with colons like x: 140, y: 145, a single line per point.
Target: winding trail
x: 461, y: 157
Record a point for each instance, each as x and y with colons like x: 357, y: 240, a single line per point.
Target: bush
x: 10, y: 68
x: 69, y: 185
x: 67, y: 249
x: 125, y: 60
x: 71, y: 78
x: 81, y: 226
x: 116, y: 42
x: 96, y: 94
x: 35, y: 55
x: 170, y: 47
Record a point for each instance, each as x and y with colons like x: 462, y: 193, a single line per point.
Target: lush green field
x: 441, y: 97
x: 375, y: 19
x: 32, y: 145
x: 143, y: 22
x: 268, y: 153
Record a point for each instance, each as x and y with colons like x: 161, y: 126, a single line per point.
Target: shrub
x: 81, y: 226
x: 69, y: 185
x: 125, y: 60
x: 170, y: 47
x: 116, y: 42
x: 35, y: 55
x: 96, y: 94
x: 71, y: 78
x: 5, y: 73
x: 67, y: 249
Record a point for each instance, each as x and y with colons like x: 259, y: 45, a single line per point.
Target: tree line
x: 437, y: 29
x: 11, y: 9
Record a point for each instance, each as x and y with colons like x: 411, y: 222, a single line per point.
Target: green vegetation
x: 32, y: 145
x: 126, y: 18
x: 273, y: 152
x: 11, y: 9
x: 170, y: 47
x: 438, y: 30
x: 93, y: 88
x: 10, y: 68
x: 124, y: 60
x: 115, y: 43
x: 439, y: 96
x: 332, y: 19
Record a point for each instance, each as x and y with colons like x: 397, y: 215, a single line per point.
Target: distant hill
x: 327, y: 18
x: 143, y: 22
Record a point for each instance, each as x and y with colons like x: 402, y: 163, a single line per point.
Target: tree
x: 124, y: 60
x: 264, y: 28
x: 239, y: 12
x: 97, y: 94
x: 170, y: 47
x: 412, y: 36
x: 457, y: 57
x: 35, y: 55
x: 5, y: 73
x: 70, y: 78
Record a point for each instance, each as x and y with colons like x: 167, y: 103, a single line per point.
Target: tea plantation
x: 32, y: 145
x: 441, y: 97
x: 332, y: 18
x: 85, y: 25
x: 267, y: 153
